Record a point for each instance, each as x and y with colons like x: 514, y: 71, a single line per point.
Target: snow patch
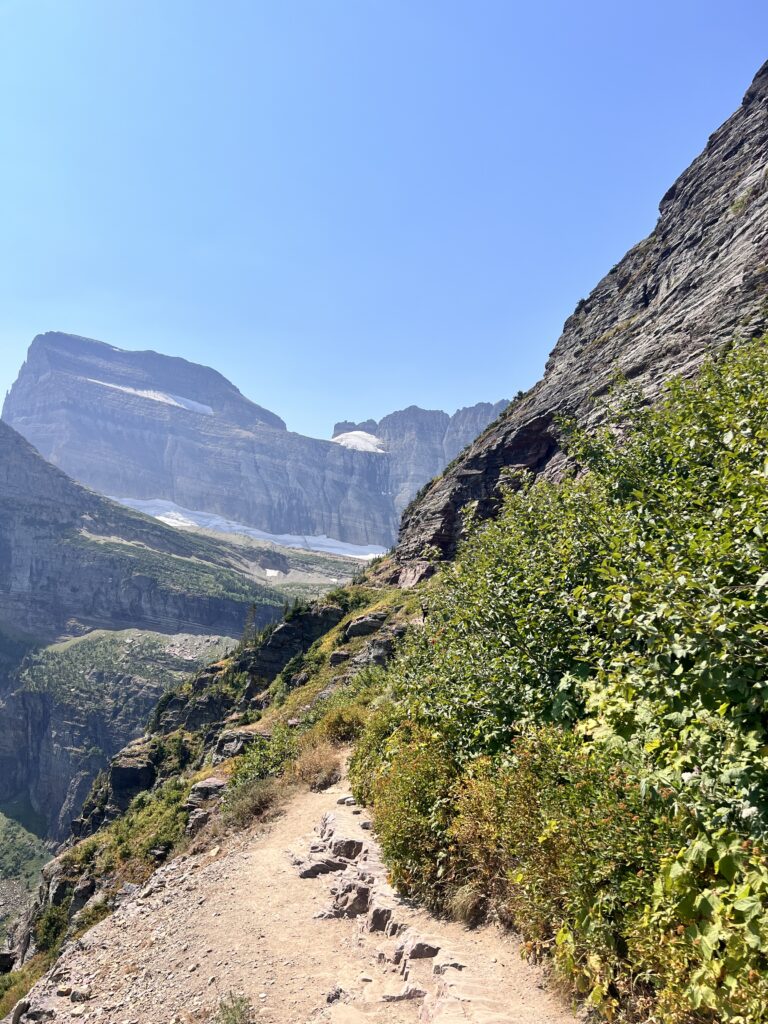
x: 158, y: 396
x: 361, y: 441
x: 185, y: 519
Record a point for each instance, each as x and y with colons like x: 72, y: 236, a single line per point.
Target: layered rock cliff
x: 72, y: 707
x: 697, y: 281
x: 148, y: 427
x: 70, y: 560
x: 420, y: 443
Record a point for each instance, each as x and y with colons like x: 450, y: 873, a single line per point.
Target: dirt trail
x: 241, y: 919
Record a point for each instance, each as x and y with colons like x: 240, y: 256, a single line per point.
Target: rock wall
x: 420, y: 443
x: 699, y: 280
x: 145, y: 426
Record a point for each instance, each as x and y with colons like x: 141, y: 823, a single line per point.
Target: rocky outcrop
x: 699, y: 280
x: 72, y: 562
x: 59, y: 727
x: 147, y: 427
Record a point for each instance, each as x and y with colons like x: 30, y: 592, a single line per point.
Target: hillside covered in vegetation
x: 575, y: 741
x: 562, y: 731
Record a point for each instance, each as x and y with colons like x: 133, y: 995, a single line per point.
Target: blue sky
x: 346, y: 206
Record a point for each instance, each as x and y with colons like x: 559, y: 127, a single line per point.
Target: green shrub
x: 234, y: 1008
x: 411, y: 795
x: 50, y: 927
x: 344, y: 723
x: 265, y: 756
x: 577, y: 740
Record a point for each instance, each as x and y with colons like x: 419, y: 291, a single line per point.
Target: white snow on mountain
x: 361, y: 441
x: 184, y: 518
x: 159, y: 396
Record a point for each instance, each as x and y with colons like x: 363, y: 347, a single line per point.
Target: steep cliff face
x: 699, y: 280
x: 146, y: 427
x: 420, y: 442
x: 73, y: 706
x: 71, y: 560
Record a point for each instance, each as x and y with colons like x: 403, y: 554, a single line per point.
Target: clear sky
x: 345, y: 206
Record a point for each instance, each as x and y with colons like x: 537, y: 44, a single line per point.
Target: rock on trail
x: 336, y: 944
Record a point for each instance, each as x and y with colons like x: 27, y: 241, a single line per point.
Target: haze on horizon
x: 344, y: 208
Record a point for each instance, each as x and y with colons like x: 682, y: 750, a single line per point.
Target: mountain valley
x: 534, y: 729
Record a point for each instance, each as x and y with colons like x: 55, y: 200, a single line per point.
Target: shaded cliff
x: 697, y: 281
x: 149, y: 427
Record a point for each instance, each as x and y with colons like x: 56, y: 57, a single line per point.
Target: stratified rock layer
x: 70, y: 560
x: 699, y: 280
x: 145, y: 426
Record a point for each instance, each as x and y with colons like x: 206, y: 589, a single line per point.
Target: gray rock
x: 365, y: 625
x: 338, y: 657
x: 345, y: 847
x: 19, y: 1010
x: 321, y: 866
x: 211, y: 788
x: 197, y: 820
x: 698, y: 280
x: 379, y: 917
x: 81, y: 895
x: 90, y: 408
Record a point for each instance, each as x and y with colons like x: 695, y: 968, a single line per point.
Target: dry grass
x: 254, y: 799
x: 318, y: 765
x: 468, y: 904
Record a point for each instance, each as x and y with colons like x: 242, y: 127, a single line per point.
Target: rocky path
x: 297, y: 916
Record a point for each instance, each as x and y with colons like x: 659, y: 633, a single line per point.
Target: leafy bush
x: 265, y: 757
x: 578, y: 738
x: 50, y: 927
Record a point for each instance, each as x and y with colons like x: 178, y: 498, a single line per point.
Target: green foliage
x: 265, y: 757
x: 250, y: 799
x: 154, y: 821
x: 234, y: 1008
x: 14, y: 986
x: 22, y: 854
x: 50, y: 927
x: 578, y: 732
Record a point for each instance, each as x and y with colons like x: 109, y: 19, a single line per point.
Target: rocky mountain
x: 420, y: 443
x: 149, y: 428
x: 71, y: 563
x: 698, y: 280
x: 70, y: 560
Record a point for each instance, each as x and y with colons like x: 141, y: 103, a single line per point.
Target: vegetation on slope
x: 22, y: 855
x: 573, y: 741
x: 577, y: 741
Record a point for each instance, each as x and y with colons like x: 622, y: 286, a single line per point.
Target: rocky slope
x: 74, y: 705
x: 697, y: 281
x: 70, y: 560
x: 147, y: 427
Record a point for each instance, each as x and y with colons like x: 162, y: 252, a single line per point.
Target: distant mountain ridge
x: 149, y: 427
